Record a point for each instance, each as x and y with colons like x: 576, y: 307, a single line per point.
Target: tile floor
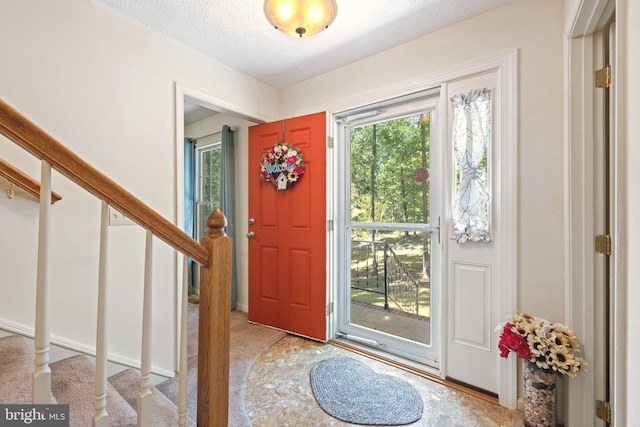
x: 278, y: 392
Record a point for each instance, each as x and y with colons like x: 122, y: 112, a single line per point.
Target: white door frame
x: 582, y: 112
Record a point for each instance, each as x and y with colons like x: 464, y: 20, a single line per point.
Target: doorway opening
x: 219, y: 112
x: 202, y: 164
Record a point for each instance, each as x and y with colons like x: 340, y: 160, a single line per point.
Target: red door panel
x: 287, y: 256
x: 269, y: 274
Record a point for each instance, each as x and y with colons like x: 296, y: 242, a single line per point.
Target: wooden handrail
x: 26, y: 134
x: 24, y: 181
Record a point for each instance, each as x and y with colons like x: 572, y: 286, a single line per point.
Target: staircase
x: 248, y: 342
x: 27, y: 379
x: 72, y: 383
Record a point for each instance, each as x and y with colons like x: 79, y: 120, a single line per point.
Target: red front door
x: 287, y: 254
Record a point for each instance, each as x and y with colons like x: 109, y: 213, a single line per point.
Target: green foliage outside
x: 384, y: 157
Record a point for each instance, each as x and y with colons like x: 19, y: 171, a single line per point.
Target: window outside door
x: 208, y: 164
x: 391, y: 229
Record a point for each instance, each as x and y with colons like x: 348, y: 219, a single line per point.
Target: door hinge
x: 329, y: 225
x: 329, y: 308
x: 329, y: 141
x: 603, y: 410
x: 603, y: 77
x: 603, y: 244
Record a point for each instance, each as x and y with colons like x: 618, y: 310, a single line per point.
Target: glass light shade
x: 300, y: 18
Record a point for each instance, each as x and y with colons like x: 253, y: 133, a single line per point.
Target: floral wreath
x: 282, y: 160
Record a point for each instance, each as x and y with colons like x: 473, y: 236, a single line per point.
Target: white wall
x: 629, y: 12
x: 540, y: 150
x: 201, y: 128
x: 104, y: 86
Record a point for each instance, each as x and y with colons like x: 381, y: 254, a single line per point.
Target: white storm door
x: 390, y: 253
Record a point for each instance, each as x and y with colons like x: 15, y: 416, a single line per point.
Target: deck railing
x: 213, y: 254
x: 376, y: 268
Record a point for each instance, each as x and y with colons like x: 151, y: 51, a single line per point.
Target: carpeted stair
x: 127, y: 383
x: 16, y: 369
x: 72, y: 382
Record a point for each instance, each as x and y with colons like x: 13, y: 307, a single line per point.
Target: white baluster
x: 41, y: 393
x: 182, y: 383
x: 144, y: 396
x: 101, y: 417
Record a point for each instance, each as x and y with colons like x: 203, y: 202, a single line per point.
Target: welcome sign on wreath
x: 283, y: 165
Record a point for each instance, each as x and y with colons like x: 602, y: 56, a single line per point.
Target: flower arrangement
x: 551, y: 346
x: 282, y: 159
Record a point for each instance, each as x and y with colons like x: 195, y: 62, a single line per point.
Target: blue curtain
x: 227, y: 200
x: 189, y: 198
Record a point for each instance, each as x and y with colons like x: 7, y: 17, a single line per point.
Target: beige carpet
x: 72, y: 382
x: 164, y: 411
x: 16, y: 369
x: 248, y: 341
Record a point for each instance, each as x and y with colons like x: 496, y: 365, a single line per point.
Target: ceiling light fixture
x: 300, y: 18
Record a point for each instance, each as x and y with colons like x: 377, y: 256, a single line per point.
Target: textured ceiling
x: 236, y: 32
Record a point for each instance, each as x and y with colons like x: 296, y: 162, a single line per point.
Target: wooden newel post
x: 214, y: 325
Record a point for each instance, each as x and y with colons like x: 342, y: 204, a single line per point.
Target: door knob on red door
x: 251, y: 235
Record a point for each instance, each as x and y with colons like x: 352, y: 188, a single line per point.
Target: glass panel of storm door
x: 390, y: 282
x: 390, y: 270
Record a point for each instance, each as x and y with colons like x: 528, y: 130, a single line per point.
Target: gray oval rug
x: 351, y: 391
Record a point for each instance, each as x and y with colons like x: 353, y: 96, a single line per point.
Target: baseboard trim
x: 29, y: 332
x: 17, y: 328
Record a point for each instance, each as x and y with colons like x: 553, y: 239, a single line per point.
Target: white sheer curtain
x: 471, y: 136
